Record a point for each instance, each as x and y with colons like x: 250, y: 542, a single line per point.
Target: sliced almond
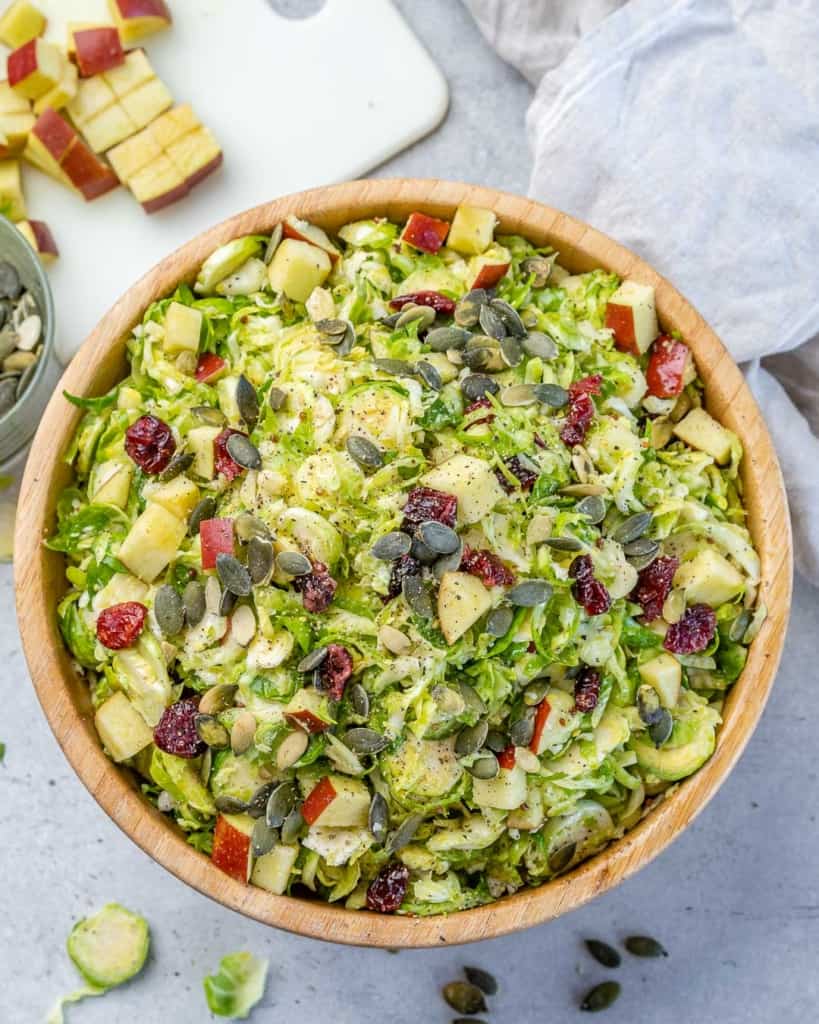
x: 242, y: 733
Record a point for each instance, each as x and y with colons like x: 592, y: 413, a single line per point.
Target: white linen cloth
x: 689, y: 131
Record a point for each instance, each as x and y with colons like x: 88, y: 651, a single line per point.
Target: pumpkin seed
x: 601, y: 996
x: 394, y: 367
x: 582, y: 464
x: 273, y: 243
x: 204, y: 509
x: 674, y: 606
x: 404, y: 834
x: 464, y: 997
x: 211, y: 416
x: 593, y: 508
x: 603, y: 953
x: 562, y: 857
x: 178, y: 464
x: 496, y: 741
x: 217, y: 698
x: 644, y: 945
x: 539, y: 268
x: 423, y: 316
x: 227, y: 602
x: 511, y: 352
x: 540, y: 346
x: 509, y: 317
x: 522, y: 730
x: 257, y: 804
x: 243, y: 452
x: 335, y: 329
x: 491, y: 323
x: 8, y: 341
x: 211, y: 731
x: 450, y: 562
x: 169, y: 610
x: 233, y: 575
x: 292, y: 826
x: 213, y: 595
x: 499, y: 621
x: 364, y: 452
x: 648, y: 705
x: 471, y: 738
x: 263, y: 838
x: 484, y: 767
x: 359, y: 700
x: 468, y: 310
x: 391, y: 320
x: 478, y: 358
x: 193, y: 599
x: 394, y: 640
x: 632, y: 528
x: 291, y: 749
x: 243, y: 625
x: 470, y: 697
x: 247, y: 402
x: 312, y: 660
x: 419, y: 551
x: 529, y: 594
x: 639, y: 562
x: 641, y: 548
x: 535, y: 691
x: 276, y: 398
x: 391, y: 546
x: 517, y: 395
x: 738, y: 626
x: 259, y: 559
x: 247, y: 526
x: 552, y: 395
x: 583, y: 490
x: 477, y: 386
x: 379, y: 817
x: 365, y: 741
x: 242, y: 733
x: 10, y: 284
x: 280, y: 803
x: 230, y: 805
x: 417, y: 596
x: 483, y: 979
x: 429, y: 375
x: 439, y: 538
x: 442, y: 338
x: 661, y: 729
x: 293, y: 563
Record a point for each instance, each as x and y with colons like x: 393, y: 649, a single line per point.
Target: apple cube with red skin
x: 55, y: 147
x: 63, y: 92
x: 97, y: 49
x: 138, y: 18
x: 425, y: 233
x: 670, y: 367
x: 307, y: 720
x: 541, y: 717
x: 231, y: 847
x: 38, y: 235
x: 210, y: 368
x: 304, y: 231
x: 16, y: 121
x: 318, y: 800
x: 472, y: 231
x: 487, y: 269
x: 632, y: 317
x: 215, y: 538
x: 21, y: 23
x: 34, y: 68
x: 87, y: 173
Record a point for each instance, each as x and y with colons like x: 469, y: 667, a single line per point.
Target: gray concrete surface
x: 735, y: 899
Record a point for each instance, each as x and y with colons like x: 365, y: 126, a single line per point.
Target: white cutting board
x: 294, y: 104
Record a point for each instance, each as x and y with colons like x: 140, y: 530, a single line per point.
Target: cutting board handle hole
x: 297, y: 10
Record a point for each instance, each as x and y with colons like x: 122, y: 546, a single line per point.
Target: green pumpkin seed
x: 565, y: 544
x: 739, y: 626
x: 263, y: 838
x: 529, y: 594
x: 643, y: 547
x: 276, y: 398
x: 477, y: 386
x: 259, y: 559
x: 193, y: 600
x: 359, y: 700
x: 517, y: 395
x: 552, y: 395
x: 391, y: 546
x: 661, y: 729
x: 243, y: 452
x: 474, y: 704
x: 365, y: 741
x: 394, y: 367
x: 312, y: 660
x: 178, y: 464
x: 601, y: 996
x: 603, y: 953
x: 539, y: 268
x: 211, y: 731
x: 468, y: 310
x: 491, y: 323
x: 292, y: 826
x: 417, y: 596
x: 478, y: 358
x: 648, y: 705
x: 509, y: 316
x: 471, y: 738
x: 583, y: 490
x: 279, y: 804
x: 204, y: 509
x: 429, y: 375
x: 242, y: 732
x: 562, y: 857
x: 632, y: 528
x: 450, y: 562
x: 291, y: 749
x: 257, y: 804
x: 205, y: 767
x: 535, y: 691
x: 511, y: 351
x: 293, y: 563
x: 483, y: 979
x: 419, y: 551
x: 540, y: 346
x: 333, y: 328
x: 522, y: 730
x: 464, y: 997
x: 674, y: 606
x: 233, y: 575
x: 593, y: 508
x: 210, y: 415
x: 227, y: 602
x: 496, y: 741
x: 484, y: 767
x: 442, y: 339
x: 217, y: 698
x: 439, y: 538
x: 644, y: 945
x: 364, y: 452
x: 247, y: 402
x: 230, y: 805
x: 423, y: 316
x: 247, y: 526
x: 499, y: 621
x: 169, y: 610
x: 379, y: 817
x: 404, y: 834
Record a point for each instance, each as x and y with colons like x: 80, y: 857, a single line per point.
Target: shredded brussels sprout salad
x: 406, y: 567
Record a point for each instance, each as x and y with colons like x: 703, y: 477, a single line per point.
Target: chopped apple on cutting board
x: 35, y: 68
x: 96, y: 48
x: 12, y: 202
x: 21, y: 22
x: 55, y: 148
x: 63, y: 92
x: 16, y: 121
x: 136, y: 19
x: 38, y: 235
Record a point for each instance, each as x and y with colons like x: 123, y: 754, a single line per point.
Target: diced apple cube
x: 487, y: 269
x: 93, y: 96
x: 196, y: 155
x: 472, y: 482
x: 664, y: 673
x: 98, y: 48
x: 183, y: 327
x: 231, y: 851
x: 63, y: 92
x: 12, y: 202
x: 132, y: 155
x: 21, y: 23
x: 121, y: 728
x: 35, y: 68
x: 272, y: 871
x: 113, y: 484
x: 424, y: 232
x: 702, y: 432
x: 136, y: 19
x: 297, y: 268
x: 215, y: 538
x: 200, y: 442
x: 133, y: 72
x: 210, y: 368
x: 108, y: 128
x: 171, y: 126
x: 462, y: 600
x: 709, y: 578
x: 89, y: 175
x: 177, y: 496
x: 506, y: 792
x: 632, y: 317
x: 146, y: 102
x: 158, y: 185
x: 472, y: 231
x: 152, y: 542
x: 350, y: 806
x: 38, y: 235
x: 295, y: 227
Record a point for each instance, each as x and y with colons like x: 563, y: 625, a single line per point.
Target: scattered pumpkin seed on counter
x: 21, y: 331
x: 376, y: 578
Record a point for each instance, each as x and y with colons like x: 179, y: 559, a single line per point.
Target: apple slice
x: 158, y: 185
x: 133, y: 72
x: 215, y: 538
x: 304, y: 231
x: 108, y: 128
x: 231, y: 845
x: 462, y: 600
x: 196, y: 155
x: 35, y: 68
x: 472, y: 231
x: 38, y: 235
x: 210, y: 368
x: 16, y: 121
x: 12, y: 202
x: 424, y: 232
x: 61, y: 95
x: 121, y: 728
x: 171, y: 126
x: 21, y: 23
x: 138, y: 18
x: 183, y: 326
x: 297, y: 268
x: 337, y: 801
x: 487, y: 269
x: 97, y: 48
x: 632, y: 317
x: 50, y: 139
x: 89, y: 175
x: 147, y: 102
x: 133, y: 155
x: 93, y: 96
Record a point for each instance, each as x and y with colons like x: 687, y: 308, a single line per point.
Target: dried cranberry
x: 480, y: 403
x: 402, y: 567
x: 489, y: 569
x: 388, y: 889
x: 120, y: 625
x: 525, y: 475
x: 222, y: 461
x: 335, y: 670
x: 587, y: 689
x: 150, y: 444
x: 176, y: 733
x: 653, y: 586
x: 539, y: 441
x: 694, y: 632
x: 316, y: 588
x: 581, y: 410
x: 440, y: 303
x: 588, y: 591
x: 425, y: 504
x: 585, y: 386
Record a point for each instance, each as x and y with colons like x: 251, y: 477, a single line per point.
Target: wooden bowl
x: 64, y: 697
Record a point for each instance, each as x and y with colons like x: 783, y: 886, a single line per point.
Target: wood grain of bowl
x: 64, y: 696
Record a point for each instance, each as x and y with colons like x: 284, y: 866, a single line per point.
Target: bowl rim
x: 64, y: 698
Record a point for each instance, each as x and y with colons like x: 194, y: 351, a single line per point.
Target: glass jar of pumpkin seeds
x: 28, y: 368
